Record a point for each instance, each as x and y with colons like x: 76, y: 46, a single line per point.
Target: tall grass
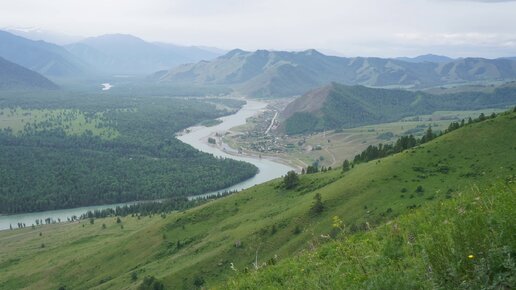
x: 464, y: 243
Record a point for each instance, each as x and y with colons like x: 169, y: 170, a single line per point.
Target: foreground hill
x: 13, y: 76
x: 45, y: 58
x: 278, y: 73
x: 339, y: 106
x: 202, y: 246
x: 127, y: 54
x: 465, y: 243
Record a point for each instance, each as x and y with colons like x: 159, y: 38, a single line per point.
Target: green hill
x: 13, y: 76
x: 265, y: 73
x: 466, y: 243
x: 200, y: 246
x: 339, y: 106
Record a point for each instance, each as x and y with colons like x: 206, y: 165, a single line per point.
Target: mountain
x: 337, y: 106
x: 203, y: 247
x: 45, y: 58
x: 34, y: 33
x: 278, y: 73
x: 13, y: 76
x: 127, y: 54
x: 426, y: 58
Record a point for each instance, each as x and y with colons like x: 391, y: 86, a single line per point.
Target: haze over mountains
x: 277, y: 73
x: 127, y: 54
x: 45, y: 58
x: 13, y: 76
x: 261, y: 73
x: 98, y: 56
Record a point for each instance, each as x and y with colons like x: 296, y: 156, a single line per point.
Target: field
x: 73, y: 122
x: 202, y: 246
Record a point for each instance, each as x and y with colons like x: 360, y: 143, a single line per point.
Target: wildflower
x: 471, y: 257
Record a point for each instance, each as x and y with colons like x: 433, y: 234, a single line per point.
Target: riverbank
x: 196, y: 136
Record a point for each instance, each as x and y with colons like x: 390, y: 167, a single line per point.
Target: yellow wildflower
x: 471, y: 256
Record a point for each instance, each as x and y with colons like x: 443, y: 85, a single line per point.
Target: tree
x: 318, y: 206
x: 345, y: 166
x: 429, y: 135
x: 291, y: 180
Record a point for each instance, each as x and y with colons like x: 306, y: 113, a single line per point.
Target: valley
x: 201, y: 246
x: 197, y: 145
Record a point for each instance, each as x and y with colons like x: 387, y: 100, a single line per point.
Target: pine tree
x: 291, y: 180
x: 318, y: 205
x: 345, y: 166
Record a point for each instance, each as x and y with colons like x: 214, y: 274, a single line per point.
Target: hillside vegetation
x: 268, y: 223
x: 339, y: 106
x: 464, y: 243
x: 265, y: 73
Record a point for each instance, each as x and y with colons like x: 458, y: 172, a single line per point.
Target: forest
x: 51, y: 164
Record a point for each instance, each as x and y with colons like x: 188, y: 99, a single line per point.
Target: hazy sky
x: 350, y: 27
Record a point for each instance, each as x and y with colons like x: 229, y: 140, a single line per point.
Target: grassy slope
x: 462, y: 243
x: 90, y: 257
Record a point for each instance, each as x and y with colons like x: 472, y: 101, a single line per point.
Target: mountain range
x: 127, y: 54
x: 45, y: 58
x: 13, y: 76
x: 340, y: 106
x: 426, y: 58
x: 98, y: 56
x: 278, y: 73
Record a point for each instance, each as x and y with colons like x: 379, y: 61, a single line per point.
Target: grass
x: 464, y: 243
x: 265, y: 221
x: 73, y: 122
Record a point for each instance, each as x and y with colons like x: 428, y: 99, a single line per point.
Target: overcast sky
x: 383, y: 28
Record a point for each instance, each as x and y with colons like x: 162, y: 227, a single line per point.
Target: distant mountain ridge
x: 15, y: 77
x: 340, y: 106
x: 122, y: 53
x: 45, y: 58
x: 426, y: 58
x: 278, y: 73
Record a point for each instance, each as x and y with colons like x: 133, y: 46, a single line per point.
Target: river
x: 196, y: 137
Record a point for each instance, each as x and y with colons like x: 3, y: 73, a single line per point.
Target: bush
x: 151, y: 283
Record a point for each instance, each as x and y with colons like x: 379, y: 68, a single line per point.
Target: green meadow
x: 71, y: 121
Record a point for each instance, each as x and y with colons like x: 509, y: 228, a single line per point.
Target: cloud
x: 482, y: 1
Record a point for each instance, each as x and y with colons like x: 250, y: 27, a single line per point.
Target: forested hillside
x: 339, y: 106
x: 100, y: 149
